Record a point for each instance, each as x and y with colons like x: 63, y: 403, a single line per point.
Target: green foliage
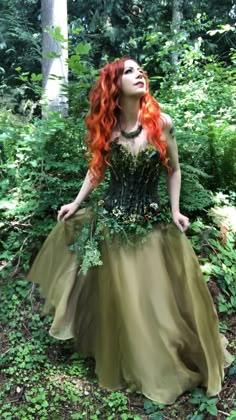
x: 43, y: 166
x: 43, y: 163
x: 205, y: 405
x: 193, y: 194
x: 232, y: 415
x: 199, y: 96
x: 204, y: 111
x: 87, y: 246
x: 109, y: 24
x: 121, y: 28
x: 117, y: 227
x: 20, y: 37
x: 42, y: 378
x: 42, y: 375
x: 154, y: 410
x: 215, y: 243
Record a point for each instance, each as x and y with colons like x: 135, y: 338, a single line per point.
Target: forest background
x: 188, y: 51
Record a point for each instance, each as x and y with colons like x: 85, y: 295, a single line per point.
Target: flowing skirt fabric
x: 145, y: 315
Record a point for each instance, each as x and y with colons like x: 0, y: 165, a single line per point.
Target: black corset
x: 134, y: 180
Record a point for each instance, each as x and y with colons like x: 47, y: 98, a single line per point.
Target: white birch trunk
x: 54, y: 70
x: 177, y: 16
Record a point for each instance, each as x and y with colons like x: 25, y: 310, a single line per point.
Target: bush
x: 43, y: 166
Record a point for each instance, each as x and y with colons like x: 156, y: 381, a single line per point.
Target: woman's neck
x: 129, y: 113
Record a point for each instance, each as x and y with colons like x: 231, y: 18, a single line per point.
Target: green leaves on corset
x: 118, y: 228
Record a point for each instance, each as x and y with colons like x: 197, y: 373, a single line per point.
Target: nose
x: 139, y: 74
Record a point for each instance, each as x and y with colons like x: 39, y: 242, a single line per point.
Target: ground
x: 42, y: 378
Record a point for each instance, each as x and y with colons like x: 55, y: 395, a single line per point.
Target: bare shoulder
x: 166, y: 121
x: 168, y: 129
x: 168, y: 135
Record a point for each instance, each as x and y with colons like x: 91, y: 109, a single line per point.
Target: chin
x: 140, y: 94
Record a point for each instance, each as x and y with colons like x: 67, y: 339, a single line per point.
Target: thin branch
x: 223, y: 412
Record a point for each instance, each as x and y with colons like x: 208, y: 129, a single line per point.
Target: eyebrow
x: 131, y: 67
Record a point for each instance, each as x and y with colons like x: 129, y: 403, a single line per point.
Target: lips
x: 141, y: 84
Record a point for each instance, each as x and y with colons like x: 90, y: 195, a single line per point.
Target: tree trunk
x: 177, y: 16
x: 54, y: 70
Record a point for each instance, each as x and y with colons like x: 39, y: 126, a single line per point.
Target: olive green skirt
x: 145, y: 315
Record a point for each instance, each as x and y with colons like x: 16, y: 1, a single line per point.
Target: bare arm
x: 85, y: 190
x: 69, y: 209
x: 174, y: 176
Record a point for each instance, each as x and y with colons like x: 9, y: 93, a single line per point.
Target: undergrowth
x: 43, y: 164
x: 42, y: 378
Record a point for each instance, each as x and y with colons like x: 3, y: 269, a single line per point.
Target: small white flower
x: 117, y: 212
x: 154, y: 206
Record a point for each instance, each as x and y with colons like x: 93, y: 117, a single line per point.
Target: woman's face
x: 133, y: 82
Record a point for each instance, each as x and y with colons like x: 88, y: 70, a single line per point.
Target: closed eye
x: 128, y: 71
x: 131, y: 69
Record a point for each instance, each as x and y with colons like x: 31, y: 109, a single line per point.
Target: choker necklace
x: 132, y: 134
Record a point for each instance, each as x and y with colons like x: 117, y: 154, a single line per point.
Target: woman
x: 144, y: 312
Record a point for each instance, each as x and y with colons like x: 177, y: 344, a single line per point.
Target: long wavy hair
x: 104, y: 113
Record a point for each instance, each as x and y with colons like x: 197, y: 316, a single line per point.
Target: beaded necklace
x: 131, y: 134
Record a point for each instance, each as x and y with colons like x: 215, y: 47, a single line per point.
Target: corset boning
x: 133, y: 182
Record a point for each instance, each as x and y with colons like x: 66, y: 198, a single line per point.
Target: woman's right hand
x: 67, y: 211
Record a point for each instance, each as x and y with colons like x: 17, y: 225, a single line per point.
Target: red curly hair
x: 104, y: 113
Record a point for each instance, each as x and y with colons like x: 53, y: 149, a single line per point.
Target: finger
x: 67, y: 215
x: 182, y: 224
x: 185, y: 225
x: 60, y: 215
x: 179, y: 226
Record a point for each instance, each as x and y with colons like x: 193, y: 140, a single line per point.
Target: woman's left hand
x: 181, y: 221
